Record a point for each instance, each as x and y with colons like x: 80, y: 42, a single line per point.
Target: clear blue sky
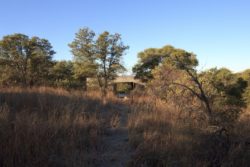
x: 218, y: 31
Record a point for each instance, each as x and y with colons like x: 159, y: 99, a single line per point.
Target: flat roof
x: 126, y: 79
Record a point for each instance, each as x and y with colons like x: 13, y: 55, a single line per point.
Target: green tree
x: 246, y: 76
x: 149, y: 59
x: 40, y: 62
x: 225, y: 90
x: 25, y: 60
x: 83, y: 50
x: 98, y: 57
x: 62, y: 74
x: 178, y: 73
x: 218, y: 91
x: 109, y: 51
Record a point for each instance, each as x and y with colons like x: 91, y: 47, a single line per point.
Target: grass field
x: 48, y: 127
x: 163, y: 136
x: 54, y: 127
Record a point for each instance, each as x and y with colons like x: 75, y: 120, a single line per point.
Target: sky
x: 217, y: 31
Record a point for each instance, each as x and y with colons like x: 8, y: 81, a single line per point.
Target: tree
x: 26, y: 60
x: 225, y: 90
x: 218, y: 91
x: 246, y: 76
x: 178, y: 70
x: 100, y: 57
x: 40, y: 63
x: 109, y: 51
x: 83, y: 50
x: 62, y: 74
x: 149, y: 59
x: 226, y: 83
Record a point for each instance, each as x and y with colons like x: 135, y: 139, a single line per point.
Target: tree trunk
x: 84, y: 83
x: 104, y: 96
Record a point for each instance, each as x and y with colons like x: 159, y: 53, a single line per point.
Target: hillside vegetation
x: 48, y: 127
x: 177, y: 116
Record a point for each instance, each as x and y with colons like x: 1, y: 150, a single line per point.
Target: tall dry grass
x: 163, y: 135
x: 54, y: 127
x: 49, y: 127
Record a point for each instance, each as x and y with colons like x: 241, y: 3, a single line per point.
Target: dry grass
x: 162, y: 136
x: 49, y: 127
x: 57, y: 128
x: 239, y: 154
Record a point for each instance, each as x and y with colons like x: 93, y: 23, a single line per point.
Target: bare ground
x: 116, y: 151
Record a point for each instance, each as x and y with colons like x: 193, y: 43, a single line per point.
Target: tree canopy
x: 151, y: 58
x: 25, y: 60
x: 98, y: 57
x: 174, y: 76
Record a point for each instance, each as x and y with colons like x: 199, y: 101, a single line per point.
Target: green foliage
x: 25, y: 60
x: 182, y: 59
x: 247, y: 95
x: 219, y: 93
x: 84, y: 54
x: 227, y: 85
x: 176, y: 80
x: 109, y: 51
x: 63, y: 70
x: 246, y: 76
x: 62, y: 75
x: 148, y: 60
x: 151, y: 58
x: 97, y: 57
x: 225, y: 90
x: 123, y: 87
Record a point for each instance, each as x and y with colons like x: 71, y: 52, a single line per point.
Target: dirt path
x: 117, y: 151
